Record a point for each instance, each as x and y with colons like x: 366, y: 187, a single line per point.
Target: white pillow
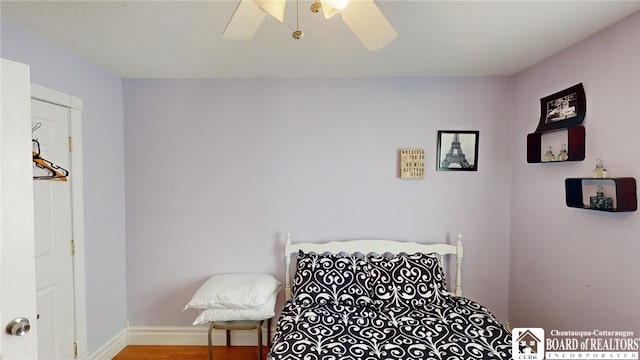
x: 234, y: 291
x: 266, y: 311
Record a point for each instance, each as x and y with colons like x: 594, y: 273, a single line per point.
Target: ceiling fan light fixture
x: 362, y: 17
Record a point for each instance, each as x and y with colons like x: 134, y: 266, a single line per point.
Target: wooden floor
x: 144, y: 352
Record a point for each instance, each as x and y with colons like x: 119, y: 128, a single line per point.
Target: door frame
x: 74, y: 104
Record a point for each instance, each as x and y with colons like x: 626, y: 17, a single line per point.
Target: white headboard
x: 366, y: 246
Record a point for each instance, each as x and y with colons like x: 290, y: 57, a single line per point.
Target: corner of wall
x: 112, y: 347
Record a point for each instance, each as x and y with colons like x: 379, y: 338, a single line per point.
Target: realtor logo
x: 527, y: 343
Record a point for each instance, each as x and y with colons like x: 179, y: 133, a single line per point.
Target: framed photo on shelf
x: 562, y: 109
x: 457, y: 150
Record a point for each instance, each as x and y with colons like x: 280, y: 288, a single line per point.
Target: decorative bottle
x: 563, y: 156
x: 548, y: 156
x: 599, y: 171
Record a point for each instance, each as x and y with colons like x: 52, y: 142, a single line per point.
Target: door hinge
x: 73, y: 247
x: 75, y: 350
x: 70, y: 144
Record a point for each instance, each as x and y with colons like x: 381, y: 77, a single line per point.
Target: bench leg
x: 259, y: 326
x: 210, y: 342
x: 269, y: 333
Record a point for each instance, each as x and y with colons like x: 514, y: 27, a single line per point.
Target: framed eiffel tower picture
x: 457, y: 150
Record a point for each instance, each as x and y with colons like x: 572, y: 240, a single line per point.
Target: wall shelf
x: 622, y: 190
x: 575, y: 145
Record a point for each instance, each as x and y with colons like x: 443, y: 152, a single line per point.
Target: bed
x: 381, y: 299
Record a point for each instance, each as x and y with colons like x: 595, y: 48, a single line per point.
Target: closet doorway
x: 58, y: 223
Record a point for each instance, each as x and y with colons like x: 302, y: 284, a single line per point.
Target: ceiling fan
x: 363, y: 17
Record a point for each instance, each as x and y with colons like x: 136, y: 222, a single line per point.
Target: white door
x: 17, y: 263
x: 53, y: 235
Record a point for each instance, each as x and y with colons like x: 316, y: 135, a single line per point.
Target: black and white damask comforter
x: 375, y: 308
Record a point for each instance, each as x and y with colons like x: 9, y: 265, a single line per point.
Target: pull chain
x: 297, y: 34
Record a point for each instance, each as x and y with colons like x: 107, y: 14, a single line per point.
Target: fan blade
x: 274, y: 8
x: 366, y: 20
x: 245, y: 21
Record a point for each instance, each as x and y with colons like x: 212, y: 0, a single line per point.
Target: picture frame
x: 562, y: 109
x: 457, y: 150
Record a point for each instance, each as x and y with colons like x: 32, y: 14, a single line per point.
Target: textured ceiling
x: 183, y: 39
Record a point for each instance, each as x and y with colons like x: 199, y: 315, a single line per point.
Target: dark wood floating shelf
x: 575, y: 145
x: 625, y: 193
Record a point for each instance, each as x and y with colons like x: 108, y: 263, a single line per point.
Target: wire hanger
x: 56, y: 172
x: 35, y: 127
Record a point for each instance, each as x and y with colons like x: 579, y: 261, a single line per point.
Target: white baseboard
x: 190, y: 335
x: 173, y: 335
x: 111, y: 348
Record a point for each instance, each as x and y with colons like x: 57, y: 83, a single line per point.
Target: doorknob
x: 18, y: 326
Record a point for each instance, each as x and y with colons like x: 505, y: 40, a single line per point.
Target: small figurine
x: 548, y: 156
x: 600, y: 201
x: 599, y: 171
x: 563, y: 156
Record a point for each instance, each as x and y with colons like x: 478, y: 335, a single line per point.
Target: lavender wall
x: 218, y: 170
x: 103, y: 141
x: 573, y: 268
